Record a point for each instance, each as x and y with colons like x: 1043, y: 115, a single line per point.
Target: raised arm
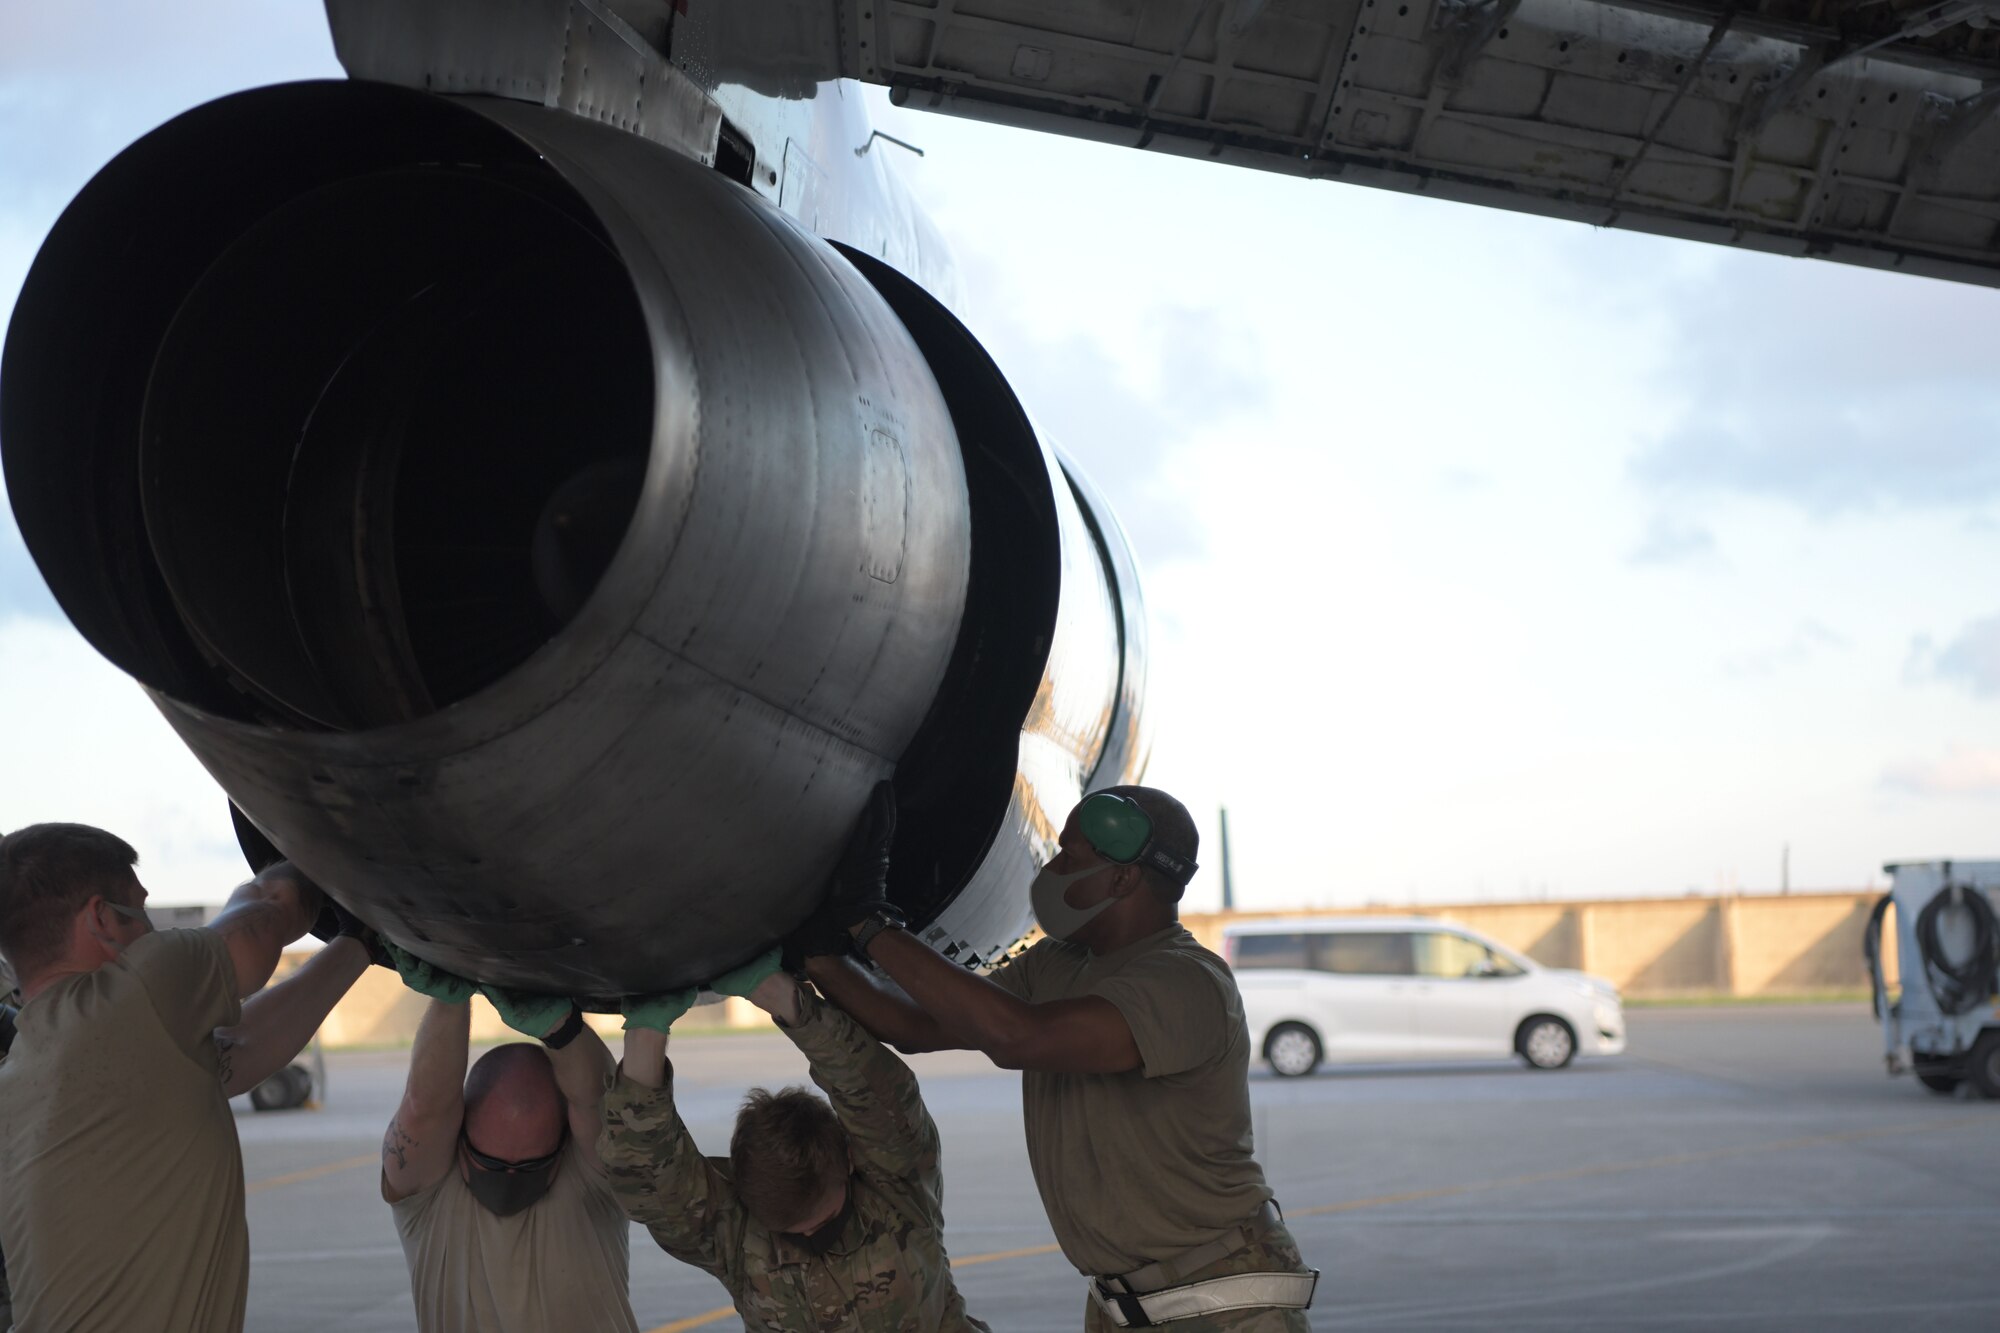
x: 422, y: 1138
x: 261, y: 918
x: 1081, y: 1036
x: 279, y: 1020
x: 886, y: 1016
x: 584, y: 1070
x: 874, y: 1093
x: 659, y: 1176
x: 582, y: 1063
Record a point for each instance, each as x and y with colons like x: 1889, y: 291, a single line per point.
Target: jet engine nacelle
x: 547, y: 543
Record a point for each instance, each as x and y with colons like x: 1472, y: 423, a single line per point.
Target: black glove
x: 860, y: 885
x: 816, y: 937
x: 335, y: 921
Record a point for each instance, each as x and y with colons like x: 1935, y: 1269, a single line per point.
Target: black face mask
x: 504, y: 1188
x: 828, y: 1234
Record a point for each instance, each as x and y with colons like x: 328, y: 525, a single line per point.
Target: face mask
x: 828, y: 1235
x: 505, y: 1192
x: 1053, y: 913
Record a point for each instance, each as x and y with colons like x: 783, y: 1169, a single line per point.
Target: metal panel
x: 659, y: 786
x: 1861, y: 133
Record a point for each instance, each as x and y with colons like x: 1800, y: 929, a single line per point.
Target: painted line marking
x: 311, y: 1173
x: 695, y: 1321
x: 1032, y: 1251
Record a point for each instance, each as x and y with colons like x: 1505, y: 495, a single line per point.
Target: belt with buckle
x: 1159, y: 1293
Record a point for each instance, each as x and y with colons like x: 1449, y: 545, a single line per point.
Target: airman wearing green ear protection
x: 1135, y: 1060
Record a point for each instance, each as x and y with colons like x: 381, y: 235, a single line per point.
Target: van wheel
x: 286, y: 1090
x: 1545, y: 1042
x: 1984, y: 1064
x: 1293, y: 1050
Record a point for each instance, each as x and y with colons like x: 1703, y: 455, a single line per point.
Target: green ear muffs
x: 1120, y: 829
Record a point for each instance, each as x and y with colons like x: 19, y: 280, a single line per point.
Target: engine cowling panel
x: 547, y: 544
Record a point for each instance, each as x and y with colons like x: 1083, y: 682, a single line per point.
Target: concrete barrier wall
x: 1658, y: 948
x: 1650, y: 948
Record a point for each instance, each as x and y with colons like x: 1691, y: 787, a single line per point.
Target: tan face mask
x: 1049, y: 895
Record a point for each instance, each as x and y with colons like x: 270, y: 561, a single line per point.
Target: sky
x: 1488, y: 557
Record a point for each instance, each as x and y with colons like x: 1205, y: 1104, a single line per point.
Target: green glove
x: 428, y: 979
x: 657, y: 1012
x: 528, y: 1012
x: 743, y: 980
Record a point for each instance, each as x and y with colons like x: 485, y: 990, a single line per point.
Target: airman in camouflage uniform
x: 884, y: 1265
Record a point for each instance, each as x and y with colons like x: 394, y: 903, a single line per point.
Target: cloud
x: 1674, y: 541
x: 101, y: 754
x: 1973, y: 658
x: 1121, y: 411
x: 1809, y: 640
x: 1465, y: 481
x: 1963, y: 772
x: 1905, y: 450
x: 1828, y: 388
x: 79, y: 81
x: 99, y: 38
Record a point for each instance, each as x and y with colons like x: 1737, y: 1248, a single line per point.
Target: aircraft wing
x: 1854, y: 130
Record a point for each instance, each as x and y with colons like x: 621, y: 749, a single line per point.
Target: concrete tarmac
x: 1740, y: 1168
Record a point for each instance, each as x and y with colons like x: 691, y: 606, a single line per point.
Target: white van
x: 1403, y: 988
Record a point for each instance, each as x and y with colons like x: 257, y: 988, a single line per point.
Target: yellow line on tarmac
x: 310, y: 1173
x: 973, y: 1261
x: 696, y: 1321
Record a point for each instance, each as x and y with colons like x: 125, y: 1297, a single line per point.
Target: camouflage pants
x: 1276, y: 1252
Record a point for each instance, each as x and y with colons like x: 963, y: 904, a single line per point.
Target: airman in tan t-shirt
x: 1134, y: 1056
x: 121, y: 1181
x: 507, y: 1220
x: 561, y: 1263
x: 120, y: 1154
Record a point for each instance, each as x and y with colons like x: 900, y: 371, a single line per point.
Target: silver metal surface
x: 387, y: 589
x: 659, y: 789
x: 572, y: 55
x: 1862, y: 133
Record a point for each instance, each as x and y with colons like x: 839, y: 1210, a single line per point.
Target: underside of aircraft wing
x: 1854, y: 130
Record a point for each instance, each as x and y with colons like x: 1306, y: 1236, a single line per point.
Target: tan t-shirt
x: 560, y: 1263
x: 1139, y: 1167
x: 121, y: 1181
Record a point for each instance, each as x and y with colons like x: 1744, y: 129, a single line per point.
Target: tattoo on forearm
x: 397, y: 1144
x: 225, y: 1058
